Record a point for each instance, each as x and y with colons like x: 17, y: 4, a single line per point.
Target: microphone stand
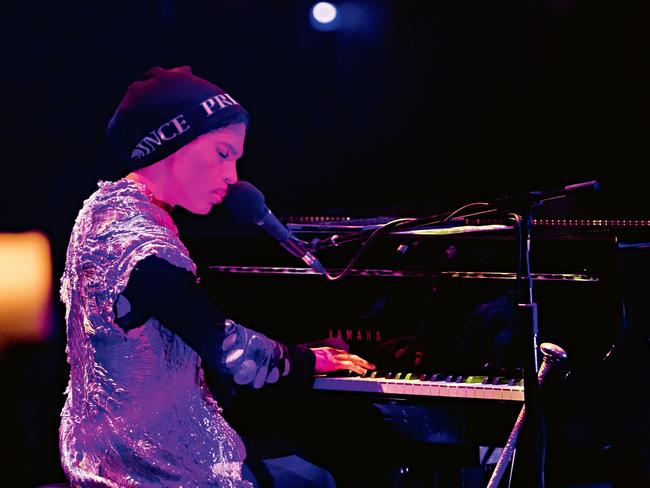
x: 526, y: 325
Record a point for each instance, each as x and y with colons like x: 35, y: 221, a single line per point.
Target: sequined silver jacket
x: 137, y: 412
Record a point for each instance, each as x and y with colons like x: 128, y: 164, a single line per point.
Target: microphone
x: 537, y: 198
x: 247, y: 202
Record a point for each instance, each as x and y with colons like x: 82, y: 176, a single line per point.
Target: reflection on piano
x: 452, y: 293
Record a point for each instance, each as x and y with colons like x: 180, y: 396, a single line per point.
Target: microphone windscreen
x: 245, y: 201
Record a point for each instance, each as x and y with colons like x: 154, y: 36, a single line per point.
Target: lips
x: 217, y: 196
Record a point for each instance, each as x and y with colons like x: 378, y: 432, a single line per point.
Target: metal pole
x: 552, y: 354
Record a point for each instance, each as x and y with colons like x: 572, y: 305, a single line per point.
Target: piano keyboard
x: 479, y: 387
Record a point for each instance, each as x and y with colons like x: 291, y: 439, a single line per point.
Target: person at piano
x: 140, y: 329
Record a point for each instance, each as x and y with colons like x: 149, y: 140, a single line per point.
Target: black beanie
x: 164, y: 111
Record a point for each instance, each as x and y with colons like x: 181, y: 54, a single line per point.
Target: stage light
x: 324, y: 16
x: 25, y: 288
x: 324, y: 12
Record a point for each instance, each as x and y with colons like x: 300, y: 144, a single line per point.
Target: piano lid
x: 614, y: 230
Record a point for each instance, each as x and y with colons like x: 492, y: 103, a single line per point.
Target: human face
x: 201, y: 171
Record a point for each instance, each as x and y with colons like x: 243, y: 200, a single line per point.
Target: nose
x: 230, y: 172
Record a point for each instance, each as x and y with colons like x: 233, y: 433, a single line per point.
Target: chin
x: 199, y: 209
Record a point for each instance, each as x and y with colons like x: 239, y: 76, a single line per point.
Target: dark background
x: 410, y: 108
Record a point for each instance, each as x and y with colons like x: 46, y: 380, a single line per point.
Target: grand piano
x: 434, y: 310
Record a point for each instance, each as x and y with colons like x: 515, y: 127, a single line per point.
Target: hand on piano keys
x: 329, y: 359
x: 427, y: 385
x: 403, y: 352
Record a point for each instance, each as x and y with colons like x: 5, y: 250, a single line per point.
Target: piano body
x: 434, y: 310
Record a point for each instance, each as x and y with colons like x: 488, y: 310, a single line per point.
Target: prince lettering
x: 178, y: 125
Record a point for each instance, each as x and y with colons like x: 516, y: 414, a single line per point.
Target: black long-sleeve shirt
x: 172, y: 296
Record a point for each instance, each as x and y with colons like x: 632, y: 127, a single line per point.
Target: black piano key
x: 440, y: 377
x: 475, y: 379
x: 342, y: 373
